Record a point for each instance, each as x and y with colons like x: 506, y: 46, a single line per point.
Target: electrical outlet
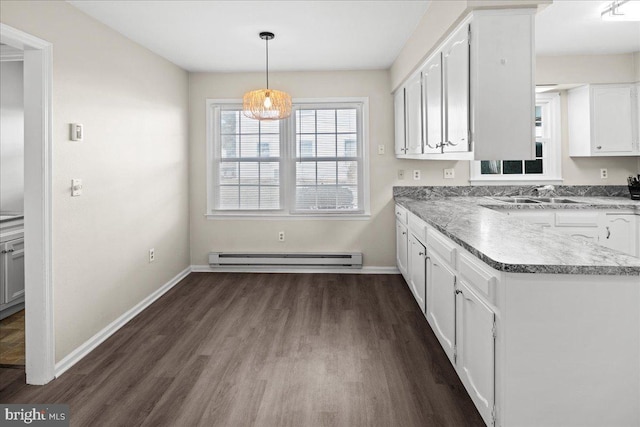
x: 604, y: 174
x: 380, y: 149
x: 152, y: 255
x: 416, y: 175
x: 449, y: 173
x: 401, y: 174
x: 281, y: 236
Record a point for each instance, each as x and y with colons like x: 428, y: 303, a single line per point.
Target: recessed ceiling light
x: 622, y: 10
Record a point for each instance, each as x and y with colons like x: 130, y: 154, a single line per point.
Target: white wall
x: 133, y: 163
x: 11, y: 137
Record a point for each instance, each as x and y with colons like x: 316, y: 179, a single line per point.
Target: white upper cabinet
x: 503, y: 99
x: 455, y: 59
x: 399, y: 114
x: 413, y: 113
x: 478, y: 99
x: 603, y: 120
x: 432, y: 104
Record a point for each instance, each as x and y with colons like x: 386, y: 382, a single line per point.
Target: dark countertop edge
x: 590, y: 270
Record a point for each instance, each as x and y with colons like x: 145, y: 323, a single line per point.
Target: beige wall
x: 374, y: 237
x: 133, y: 163
x: 571, y: 69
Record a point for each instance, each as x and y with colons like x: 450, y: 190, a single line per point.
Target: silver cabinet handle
x: 404, y: 233
x: 608, y: 233
x: 421, y: 253
x: 458, y: 291
x: 3, y: 252
x: 10, y: 250
x: 599, y: 147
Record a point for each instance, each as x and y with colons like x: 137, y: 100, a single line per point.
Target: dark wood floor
x: 223, y: 349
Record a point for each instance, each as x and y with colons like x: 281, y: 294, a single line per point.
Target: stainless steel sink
x: 554, y: 200
x: 559, y: 200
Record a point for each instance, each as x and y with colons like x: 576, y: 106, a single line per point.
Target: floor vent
x: 332, y: 260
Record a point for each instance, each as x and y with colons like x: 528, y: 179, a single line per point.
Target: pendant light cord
x: 267, y: 41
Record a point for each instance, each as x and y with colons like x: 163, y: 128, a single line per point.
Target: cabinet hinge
x: 455, y: 281
x: 494, y: 415
x: 494, y: 329
x: 470, y: 140
x: 469, y: 35
x: 455, y: 354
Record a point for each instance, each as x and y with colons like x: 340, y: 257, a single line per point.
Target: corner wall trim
x: 258, y: 269
x: 79, y: 353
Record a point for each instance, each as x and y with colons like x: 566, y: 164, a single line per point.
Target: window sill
x: 543, y: 181
x: 291, y: 217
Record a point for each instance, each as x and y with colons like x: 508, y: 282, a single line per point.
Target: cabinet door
x: 401, y: 248
x: 456, y: 92
x: 475, y: 361
x: 432, y: 104
x: 441, y: 308
x: 398, y: 107
x: 619, y: 233
x: 612, y: 119
x: 417, y: 252
x: 14, y: 270
x: 414, y: 115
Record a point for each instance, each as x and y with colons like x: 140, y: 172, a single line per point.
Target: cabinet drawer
x: 577, y: 219
x: 417, y: 227
x: 475, y: 273
x: 442, y: 246
x: 401, y: 214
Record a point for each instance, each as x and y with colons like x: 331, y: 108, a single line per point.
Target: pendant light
x: 266, y: 104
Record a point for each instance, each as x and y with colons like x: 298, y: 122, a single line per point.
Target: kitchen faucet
x: 546, y: 188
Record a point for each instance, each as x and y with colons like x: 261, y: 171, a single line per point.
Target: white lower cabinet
x: 619, y: 232
x: 11, y: 272
x: 613, y: 229
x: 417, y: 270
x: 401, y: 248
x: 526, y: 352
x: 441, y: 303
x: 475, y: 349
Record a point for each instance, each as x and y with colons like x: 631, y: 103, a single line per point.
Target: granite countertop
x: 510, y: 244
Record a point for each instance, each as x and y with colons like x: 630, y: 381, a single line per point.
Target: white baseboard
x: 248, y: 269
x: 76, y: 355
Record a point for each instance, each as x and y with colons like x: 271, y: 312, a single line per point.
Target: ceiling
x: 222, y: 36
x: 572, y: 27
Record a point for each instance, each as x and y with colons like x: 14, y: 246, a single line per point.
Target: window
x: 546, y: 166
x: 313, y: 163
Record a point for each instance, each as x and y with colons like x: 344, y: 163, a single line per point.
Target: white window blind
x: 327, y: 159
x: 249, y: 163
x: 313, y: 163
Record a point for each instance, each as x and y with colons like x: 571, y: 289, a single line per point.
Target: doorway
x: 37, y: 73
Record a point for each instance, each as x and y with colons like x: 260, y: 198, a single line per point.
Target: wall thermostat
x: 76, y: 132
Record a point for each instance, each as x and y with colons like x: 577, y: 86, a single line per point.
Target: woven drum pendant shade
x: 266, y: 104
x: 256, y: 106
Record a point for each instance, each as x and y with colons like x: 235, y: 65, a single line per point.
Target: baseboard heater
x: 317, y: 260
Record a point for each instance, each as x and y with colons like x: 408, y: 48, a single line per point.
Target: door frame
x: 38, y: 82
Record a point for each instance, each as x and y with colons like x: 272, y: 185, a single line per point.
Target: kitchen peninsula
x: 542, y: 328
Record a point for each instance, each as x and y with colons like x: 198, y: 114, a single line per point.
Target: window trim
x: 287, y: 163
x: 553, y: 157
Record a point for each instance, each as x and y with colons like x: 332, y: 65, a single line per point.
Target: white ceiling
x: 575, y: 27
x: 216, y: 35
x: 223, y: 35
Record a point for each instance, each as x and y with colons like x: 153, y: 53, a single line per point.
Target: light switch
x: 76, y: 132
x: 76, y: 187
